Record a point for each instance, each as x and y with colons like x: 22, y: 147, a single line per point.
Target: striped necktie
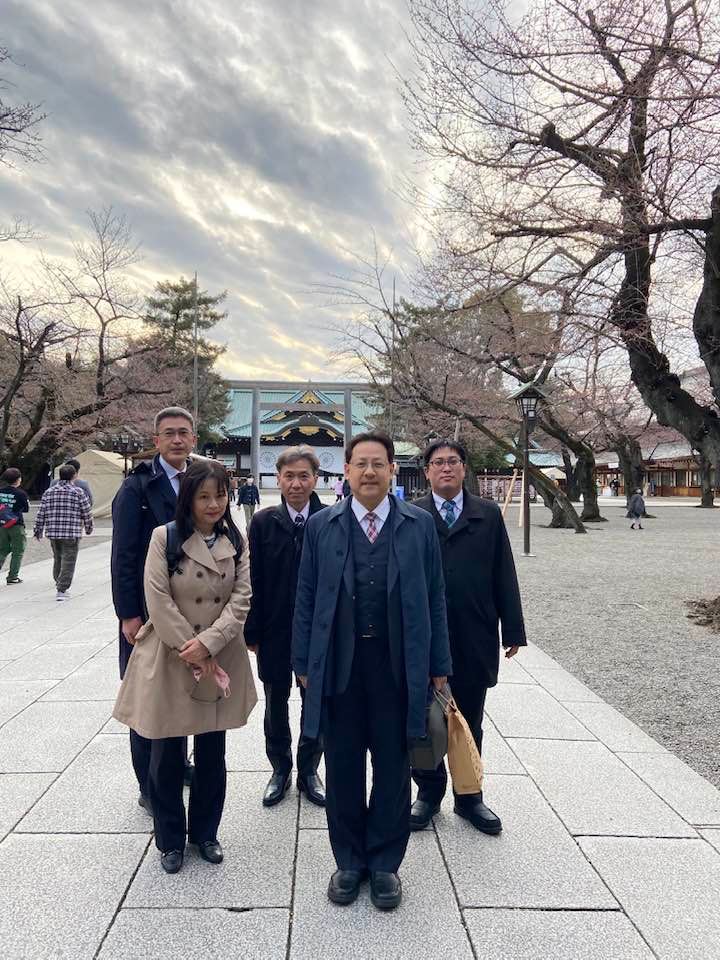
x: 449, y: 508
x: 372, y: 531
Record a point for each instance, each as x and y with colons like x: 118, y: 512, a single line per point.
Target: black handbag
x: 427, y: 752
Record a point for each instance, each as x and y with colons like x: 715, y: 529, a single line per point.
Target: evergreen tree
x: 170, y: 320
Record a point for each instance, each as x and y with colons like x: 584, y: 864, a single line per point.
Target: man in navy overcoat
x: 369, y: 636
x: 147, y: 499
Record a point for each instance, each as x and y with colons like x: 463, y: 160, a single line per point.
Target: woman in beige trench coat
x: 189, y: 672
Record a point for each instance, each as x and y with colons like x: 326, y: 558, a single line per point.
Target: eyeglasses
x: 449, y: 461
x: 184, y: 434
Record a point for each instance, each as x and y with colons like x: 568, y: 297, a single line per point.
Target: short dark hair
x: 74, y: 463
x: 196, y: 474
x: 432, y: 448
x: 66, y: 472
x: 10, y: 476
x: 371, y: 436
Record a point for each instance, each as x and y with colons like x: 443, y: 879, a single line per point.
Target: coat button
x: 197, y: 627
x: 198, y: 599
x: 217, y: 599
x: 199, y: 573
x: 222, y: 576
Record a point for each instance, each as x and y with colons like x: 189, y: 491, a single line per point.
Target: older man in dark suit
x: 275, y: 539
x: 369, y: 635
x: 147, y: 499
x: 482, y: 593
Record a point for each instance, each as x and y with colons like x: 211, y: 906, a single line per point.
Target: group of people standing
x: 366, y: 604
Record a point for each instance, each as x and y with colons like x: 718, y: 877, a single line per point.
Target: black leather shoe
x: 313, y: 788
x: 277, y: 787
x: 481, y: 817
x: 211, y: 851
x: 189, y: 774
x: 385, y: 890
x: 421, y: 813
x: 344, y: 886
x: 144, y: 802
x: 18, y: 580
x: 171, y: 860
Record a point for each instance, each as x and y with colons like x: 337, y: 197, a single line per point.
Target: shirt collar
x: 304, y: 513
x: 171, y: 471
x: 381, y: 511
x: 458, y: 501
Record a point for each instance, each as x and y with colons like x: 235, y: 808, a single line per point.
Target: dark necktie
x: 299, y: 522
x: 299, y: 531
x: 449, y: 508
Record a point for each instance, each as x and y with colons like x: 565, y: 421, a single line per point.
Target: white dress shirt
x: 458, y: 501
x: 381, y: 511
x: 304, y: 513
x: 172, y: 474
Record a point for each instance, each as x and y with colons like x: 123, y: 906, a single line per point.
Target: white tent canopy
x: 104, y: 472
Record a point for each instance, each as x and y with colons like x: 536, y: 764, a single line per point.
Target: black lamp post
x: 527, y: 398
x: 125, y: 444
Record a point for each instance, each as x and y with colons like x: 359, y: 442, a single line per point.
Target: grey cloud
x: 277, y: 123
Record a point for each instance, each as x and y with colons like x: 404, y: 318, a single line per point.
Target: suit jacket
x: 207, y: 597
x: 323, y: 627
x: 275, y: 548
x: 145, y: 500
x: 481, y: 587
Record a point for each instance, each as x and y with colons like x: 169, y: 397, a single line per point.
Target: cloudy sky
x: 255, y: 142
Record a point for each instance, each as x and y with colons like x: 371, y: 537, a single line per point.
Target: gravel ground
x: 609, y: 607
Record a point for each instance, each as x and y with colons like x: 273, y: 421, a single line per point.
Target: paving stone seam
x: 296, y: 852
x: 520, y: 907
x: 454, y: 890
x: 119, y: 907
x: 50, y: 689
x: 71, y: 761
x: 650, y: 787
x: 199, y: 908
x: 57, y: 775
x: 630, y: 836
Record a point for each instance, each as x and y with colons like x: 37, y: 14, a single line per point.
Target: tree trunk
x: 631, y: 462
x: 585, y: 473
x: 707, y: 492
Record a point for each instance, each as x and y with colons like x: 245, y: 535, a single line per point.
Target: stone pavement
x: 611, y: 846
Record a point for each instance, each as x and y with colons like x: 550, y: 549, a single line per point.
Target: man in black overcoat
x: 482, y: 593
x: 275, y: 540
x: 147, y: 499
x: 369, y: 637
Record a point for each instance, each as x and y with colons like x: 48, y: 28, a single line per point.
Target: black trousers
x: 371, y: 714
x: 278, y: 738
x: 139, y: 746
x: 470, y: 699
x: 207, y: 790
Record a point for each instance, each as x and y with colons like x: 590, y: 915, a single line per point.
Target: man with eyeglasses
x: 147, y: 499
x: 369, y: 637
x: 482, y: 593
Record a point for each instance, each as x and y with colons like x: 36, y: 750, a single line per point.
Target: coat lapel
x: 196, y: 548
x: 397, y: 517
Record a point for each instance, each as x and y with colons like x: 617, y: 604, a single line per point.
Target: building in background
x: 267, y: 417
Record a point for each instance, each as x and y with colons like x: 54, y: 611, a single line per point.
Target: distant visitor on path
x: 147, y: 499
x: 369, y: 638
x: 64, y: 513
x: 83, y: 484
x: 482, y: 594
x: 276, y: 540
x: 636, y: 509
x: 249, y: 497
x: 13, y: 504
x: 190, y: 670
x: 338, y: 488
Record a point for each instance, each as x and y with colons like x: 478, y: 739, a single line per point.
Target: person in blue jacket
x: 147, y: 499
x: 369, y: 635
